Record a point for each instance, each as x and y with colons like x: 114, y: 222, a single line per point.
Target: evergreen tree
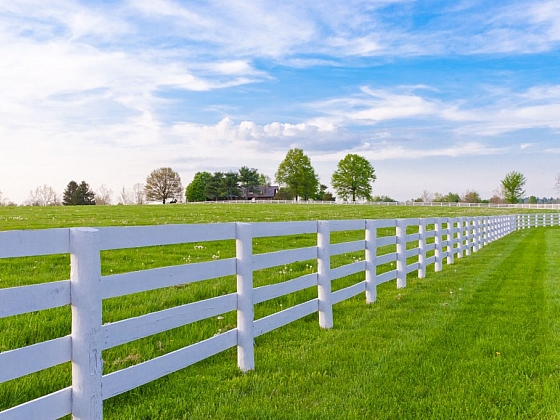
x: 249, y: 180
x: 213, y: 188
x: 78, y: 194
x: 230, y: 185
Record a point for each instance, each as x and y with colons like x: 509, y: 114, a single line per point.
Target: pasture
x: 477, y: 340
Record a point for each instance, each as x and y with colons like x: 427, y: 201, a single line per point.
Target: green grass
x: 51, y: 217
x: 477, y: 340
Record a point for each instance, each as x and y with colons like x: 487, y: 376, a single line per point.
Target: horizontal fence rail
x: 391, y: 249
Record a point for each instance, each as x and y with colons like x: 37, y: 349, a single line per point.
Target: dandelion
x: 220, y: 317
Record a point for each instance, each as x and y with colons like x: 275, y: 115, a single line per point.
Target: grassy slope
x: 478, y: 340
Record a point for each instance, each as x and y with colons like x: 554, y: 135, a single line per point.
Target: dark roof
x: 262, y: 191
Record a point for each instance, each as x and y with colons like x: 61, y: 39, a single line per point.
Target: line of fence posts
x: 462, y: 234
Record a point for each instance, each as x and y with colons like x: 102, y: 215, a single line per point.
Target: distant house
x: 261, y: 192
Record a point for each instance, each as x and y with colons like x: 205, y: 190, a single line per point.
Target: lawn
x: 477, y: 340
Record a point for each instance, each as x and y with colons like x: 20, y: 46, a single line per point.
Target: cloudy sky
x: 439, y: 95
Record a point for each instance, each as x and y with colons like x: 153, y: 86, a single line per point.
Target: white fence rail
x: 431, y: 242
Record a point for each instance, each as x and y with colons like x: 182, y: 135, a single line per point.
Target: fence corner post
x: 245, y: 309
x: 324, y: 274
x: 85, y: 286
x: 370, y: 255
x: 401, y: 253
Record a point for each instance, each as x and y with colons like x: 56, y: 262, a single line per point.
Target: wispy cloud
x: 132, y: 81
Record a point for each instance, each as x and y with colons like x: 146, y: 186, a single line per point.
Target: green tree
x: 78, y: 194
x: 264, y: 180
x: 195, y: 190
x: 284, y: 194
x: 471, y: 197
x: 513, y: 184
x: 353, y: 177
x: 296, y: 173
x: 383, y: 199
x: 229, y: 186
x: 162, y: 184
x: 213, y: 189
x: 249, y: 180
x: 448, y: 198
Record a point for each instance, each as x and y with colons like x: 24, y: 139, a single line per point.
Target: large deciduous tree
x: 296, y: 173
x: 353, y: 177
x: 78, y: 194
x: 162, y: 184
x: 195, y: 190
x: 513, y: 184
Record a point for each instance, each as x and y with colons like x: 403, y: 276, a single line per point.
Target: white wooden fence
x: 541, y: 206
x: 452, y: 238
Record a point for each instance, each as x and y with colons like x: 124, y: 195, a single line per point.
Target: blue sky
x: 439, y: 96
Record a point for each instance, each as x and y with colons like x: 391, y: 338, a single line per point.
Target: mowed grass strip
x: 478, y: 340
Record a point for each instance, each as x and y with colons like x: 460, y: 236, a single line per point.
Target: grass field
x: 478, y: 340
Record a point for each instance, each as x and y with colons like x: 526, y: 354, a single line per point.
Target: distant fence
x: 432, y: 241
x: 391, y: 203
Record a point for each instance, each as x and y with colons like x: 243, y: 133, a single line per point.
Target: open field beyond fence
x: 397, y: 358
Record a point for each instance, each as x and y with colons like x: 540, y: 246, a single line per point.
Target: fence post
x: 85, y: 284
x: 371, y: 254
x: 245, y: 309
x: 450, y: 241
x: 437, y: 241
x: 422, y: 249
x: 468, y: 236
x: 460, y: 236
x: 324, y: 274
x: 472, y: 235
x: 401, y: 253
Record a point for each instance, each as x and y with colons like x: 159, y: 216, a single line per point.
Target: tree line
x: 509, y: 191
x: 297, y: 179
